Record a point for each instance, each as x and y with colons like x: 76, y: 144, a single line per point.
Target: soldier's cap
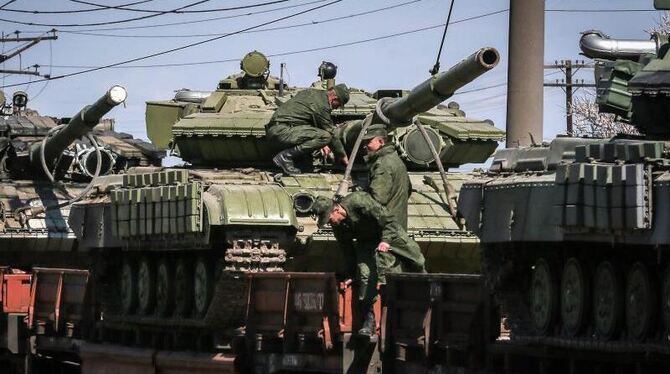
x: 342, y: 92
x: 321, y: 208
x: 375, y: 130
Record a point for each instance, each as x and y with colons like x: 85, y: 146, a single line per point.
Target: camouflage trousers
x: 404, y: 257
x: 305, y: 137
x: 367, y: 273
x: 372, y: 267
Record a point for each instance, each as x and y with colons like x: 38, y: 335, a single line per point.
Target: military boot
x: 284, y: 160
x: 369, y: 328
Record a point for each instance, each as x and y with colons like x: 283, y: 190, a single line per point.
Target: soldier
x: 363, y: 227
x: 389, y: 181
x: 303, y: 125
x: 389, y: 185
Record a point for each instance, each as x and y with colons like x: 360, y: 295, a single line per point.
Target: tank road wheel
x: 607, y: 300
x: 146, y: 286
x: 665, y: 299
x: 164, y: 288
x: 203, y: 286
x: 575, y: 296
x: 128, y: 287
x: 639, y: 302
x: 183, y: 292
x: 543, y: 297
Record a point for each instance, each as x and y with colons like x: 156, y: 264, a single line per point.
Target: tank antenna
x: 436, y: 67
x: 281, y: 79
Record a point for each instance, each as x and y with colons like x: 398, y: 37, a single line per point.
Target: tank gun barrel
x: 438, y: 88
x: 79, y: 125
x: 596, y: 44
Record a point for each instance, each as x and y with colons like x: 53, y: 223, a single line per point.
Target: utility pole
x: 525, y: 73
x: 569, y: 68
x: 31, y: 42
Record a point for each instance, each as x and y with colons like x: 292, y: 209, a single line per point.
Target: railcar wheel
x: 164, y: 288
x: 543, y: 297
x: 128, y: 287
x: 183, y: 293
x: 203, y: 285
x: 607, y: 300
x: 574, y: 296
x: 146, y: 286
x: 639, y: 302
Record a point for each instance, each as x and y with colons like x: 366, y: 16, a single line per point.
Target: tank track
x: 229, y: 301
x: 227, y: 304
x: 508, y: 271
x: 249, y: 256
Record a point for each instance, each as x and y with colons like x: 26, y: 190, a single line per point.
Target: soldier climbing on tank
x: 363, y: 228
x: 303, y: 124
x: 389, y: 185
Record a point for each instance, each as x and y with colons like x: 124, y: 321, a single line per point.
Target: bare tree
x: 662, y: 25
x: 589, y: 122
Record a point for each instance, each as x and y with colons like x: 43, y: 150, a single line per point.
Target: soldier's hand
x: 383, y: 247
x: 345, y: 160
x: 325, y: 151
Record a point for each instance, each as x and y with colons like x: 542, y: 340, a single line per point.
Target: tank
x: 574, y: 232
x: 179, y: 240
x: 45, y: 165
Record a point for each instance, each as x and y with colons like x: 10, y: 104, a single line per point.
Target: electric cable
x: 289, y: 53
x: 75, y: 11
x: 187, y: 45
x: 112, y: 7
x: 310, y: 23
x: 7, y: 3
x: 193, y: 21
x: 142, y: 17
x: 50, y: 72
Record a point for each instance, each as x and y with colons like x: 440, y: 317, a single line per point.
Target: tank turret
x: 79, y: 125
x: 632, y: 79
x: 227, y: 127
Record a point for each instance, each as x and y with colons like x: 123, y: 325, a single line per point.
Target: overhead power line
x: 300, y: 51
x: 186, y: 45
x: 112, y: 7
x: 309, y: 23
x: 142, y: 17
x: 7, y: 3
x: 599, y: 10
x: 194, y: 21
x: 74, y: 11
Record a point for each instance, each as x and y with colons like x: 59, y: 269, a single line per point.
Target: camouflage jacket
x: 389, y: 182
x: 309, y: 107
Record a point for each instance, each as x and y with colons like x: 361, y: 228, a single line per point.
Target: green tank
x: 45, y: 164
x: 179, y: 239
x: 575, y: 232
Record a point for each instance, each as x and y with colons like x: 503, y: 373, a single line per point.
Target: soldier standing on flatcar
x: 363, y: 228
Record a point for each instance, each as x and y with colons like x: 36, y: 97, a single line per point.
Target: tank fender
x: 257, y: 205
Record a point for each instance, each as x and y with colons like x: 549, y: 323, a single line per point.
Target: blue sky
x: 396, y: 62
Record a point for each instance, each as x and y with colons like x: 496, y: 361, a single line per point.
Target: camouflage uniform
x: 304, y: 122
x: 391, y: 187
x: 389, y: 182
x: 367, y: 224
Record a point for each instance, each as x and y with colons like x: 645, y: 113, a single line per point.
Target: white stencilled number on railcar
x: 308, y: 301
